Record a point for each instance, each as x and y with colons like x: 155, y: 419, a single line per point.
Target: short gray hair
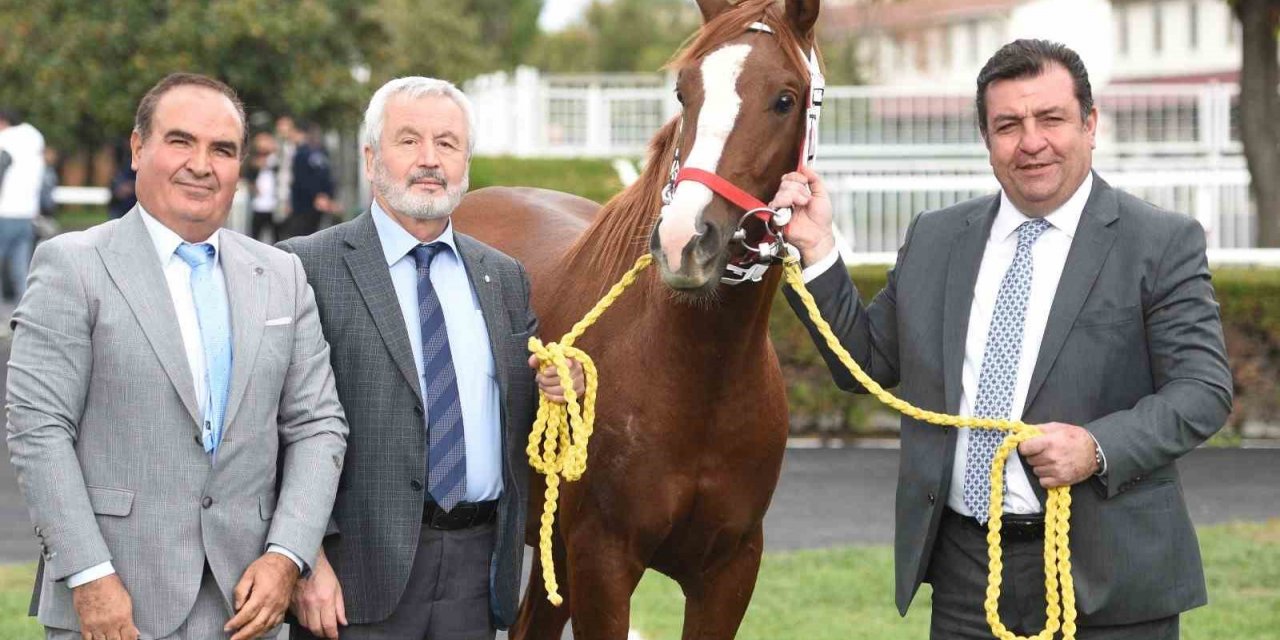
x: 414, y: 87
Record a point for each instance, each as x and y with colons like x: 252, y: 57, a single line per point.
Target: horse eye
x: 784, y: 104
x: 679, y: 97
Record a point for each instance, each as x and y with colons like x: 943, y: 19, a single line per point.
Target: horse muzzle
x: 702, y: 259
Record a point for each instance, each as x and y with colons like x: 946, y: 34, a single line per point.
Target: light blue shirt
x: 468, y: 343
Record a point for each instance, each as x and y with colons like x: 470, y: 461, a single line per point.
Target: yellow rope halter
x: 558, y: 449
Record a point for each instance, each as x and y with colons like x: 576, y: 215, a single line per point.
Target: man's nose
x: 427, y: 156
x: 1033, y: 139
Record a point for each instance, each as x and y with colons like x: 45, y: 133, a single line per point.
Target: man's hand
x: 262, y: 595
x: 810, y: 228
x: 549, y: 380
x: 317, y: 601
x: 1063, y: 456
x: 105, y: 609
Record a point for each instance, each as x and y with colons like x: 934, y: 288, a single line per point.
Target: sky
x: 557, y: 14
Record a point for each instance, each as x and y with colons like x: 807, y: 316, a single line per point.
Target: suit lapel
x: 1089, y: 250
x: 962, y: 274
x: 368, y: 267
x: 247, y: 299
x: 130, y: 262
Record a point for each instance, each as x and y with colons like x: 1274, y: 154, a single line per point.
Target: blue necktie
x: 999, y: 373
x: 446, y: 446
x: 215, y: 336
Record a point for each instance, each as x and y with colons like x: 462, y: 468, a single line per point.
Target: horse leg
x: 604, y: 572
x: 717, y: 598
x: 539, y: 619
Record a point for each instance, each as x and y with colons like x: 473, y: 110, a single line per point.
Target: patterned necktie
x: 999, y: 373
x: 446, y: 450
x: 215, y: 336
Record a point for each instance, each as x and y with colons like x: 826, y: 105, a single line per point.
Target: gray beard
x: 398, y: 196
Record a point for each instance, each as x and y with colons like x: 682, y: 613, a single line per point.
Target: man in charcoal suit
x: 1061, y: 302
x: 429, y: 329
x: 172, y: 413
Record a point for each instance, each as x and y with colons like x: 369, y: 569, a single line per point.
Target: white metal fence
x: 890, y: 153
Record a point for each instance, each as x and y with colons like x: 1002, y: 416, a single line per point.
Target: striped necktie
x: 446, y: 450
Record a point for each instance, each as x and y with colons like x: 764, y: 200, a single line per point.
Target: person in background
x: 1061, y: 302
x: 311, y: 190
x: 261, y: 173
x: 123, y: 197
x: 21, y: 179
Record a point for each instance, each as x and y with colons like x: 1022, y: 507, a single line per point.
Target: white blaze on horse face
x: 720, y: 104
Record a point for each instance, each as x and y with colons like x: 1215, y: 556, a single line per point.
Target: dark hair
x: 1029, y: 58
x: 147, y: 107
x: 11, y: 116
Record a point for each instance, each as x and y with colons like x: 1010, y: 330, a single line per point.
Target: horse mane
x: 620, y: 231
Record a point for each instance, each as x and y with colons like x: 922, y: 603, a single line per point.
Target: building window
x: 1122, y: 29
x: 1157, y: 26
x: 1193, y: 24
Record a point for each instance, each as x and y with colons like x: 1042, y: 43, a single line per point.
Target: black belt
x: 1013, y: 526
x: 463, y: 515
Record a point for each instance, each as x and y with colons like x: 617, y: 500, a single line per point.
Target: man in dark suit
x: 428, y: 329
x: 1061, y: 302
x: 311, y: 186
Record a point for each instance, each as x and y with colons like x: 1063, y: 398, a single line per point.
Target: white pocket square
x: 276, y: 322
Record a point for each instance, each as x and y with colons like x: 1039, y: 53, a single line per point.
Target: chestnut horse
x: 692, y: 413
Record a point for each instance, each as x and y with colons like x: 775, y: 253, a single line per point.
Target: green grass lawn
x: 848, y: 592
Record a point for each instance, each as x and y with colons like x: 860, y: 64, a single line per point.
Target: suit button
x: 417, y: 408
x: 207, y: 502
x: 416, y: 484
x: 932, y: 498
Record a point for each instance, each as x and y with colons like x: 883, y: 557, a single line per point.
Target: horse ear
x: 712, y: 8
x: 803, y: 14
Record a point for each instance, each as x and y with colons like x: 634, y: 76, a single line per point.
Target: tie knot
x: 1029, y: 231
x: 424, y: 253
x: 196, y: 254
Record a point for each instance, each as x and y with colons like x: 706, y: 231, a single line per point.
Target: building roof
x: 910, y: 13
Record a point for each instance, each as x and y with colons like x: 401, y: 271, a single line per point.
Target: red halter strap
x: 724, y: 188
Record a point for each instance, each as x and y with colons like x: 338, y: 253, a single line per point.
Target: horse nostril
x: 709, y: 244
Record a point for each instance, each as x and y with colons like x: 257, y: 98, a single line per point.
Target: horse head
x: 743, y: 84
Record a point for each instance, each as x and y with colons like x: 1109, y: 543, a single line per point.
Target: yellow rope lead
x: 558, y: 441
x: 1060, y: 610
x: 558, y: 449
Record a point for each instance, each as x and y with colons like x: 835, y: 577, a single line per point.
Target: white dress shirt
x: 468, y: 344
x: 177, y: 274
x: 1049, y: 257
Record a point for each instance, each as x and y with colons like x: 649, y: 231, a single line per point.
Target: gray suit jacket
x: 376, y: 519
x: 104, y: 426
x: 1133, y: 352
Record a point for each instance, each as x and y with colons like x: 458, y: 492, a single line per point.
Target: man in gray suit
x: 1061, y: 302
x: 429, y: 329
x: 172, y: 413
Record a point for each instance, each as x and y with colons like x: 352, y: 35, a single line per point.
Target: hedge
x: 1250, y: 303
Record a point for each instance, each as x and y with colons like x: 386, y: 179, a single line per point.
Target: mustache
x: 425, y: 174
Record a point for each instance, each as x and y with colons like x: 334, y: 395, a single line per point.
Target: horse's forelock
x: 733, y: 23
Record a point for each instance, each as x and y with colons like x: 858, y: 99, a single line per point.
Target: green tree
x: 618, y: 36
x: 1260, y: 110
x: 437, y: 38
x: 79, y: 67
x: 510, y: 26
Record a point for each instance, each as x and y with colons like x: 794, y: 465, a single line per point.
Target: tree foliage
x: 79, y: 67
x: 619, y: 36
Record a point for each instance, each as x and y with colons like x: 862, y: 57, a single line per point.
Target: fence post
x: 529, y: 121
